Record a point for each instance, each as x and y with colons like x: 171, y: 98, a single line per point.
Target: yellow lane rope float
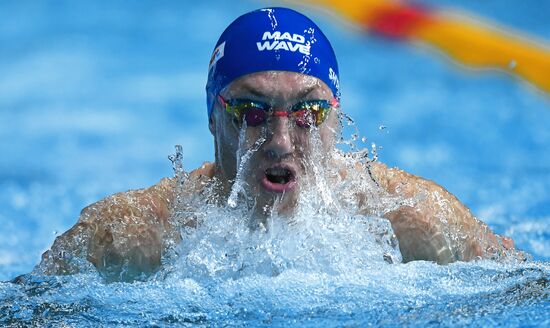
x: 471, y: 43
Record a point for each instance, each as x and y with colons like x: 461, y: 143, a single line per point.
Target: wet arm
x: 433, y: 224
x: 124, y: 235
x: 120, y: 235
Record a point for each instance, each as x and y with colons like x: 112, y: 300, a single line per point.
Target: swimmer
x: 273, y: 83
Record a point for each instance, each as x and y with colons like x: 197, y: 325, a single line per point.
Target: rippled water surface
x: 93, y: 99
x: 420, y: 293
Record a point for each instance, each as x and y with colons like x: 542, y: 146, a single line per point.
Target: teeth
x: 279, y: 171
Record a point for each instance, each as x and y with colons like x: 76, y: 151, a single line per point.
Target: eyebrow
x: 250, y: 89
x: 255, y: 92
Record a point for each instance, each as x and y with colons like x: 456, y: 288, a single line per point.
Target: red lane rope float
x: 471, y: 43
x: 399, y: 22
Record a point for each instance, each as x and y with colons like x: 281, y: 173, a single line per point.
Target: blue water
x: 94, y: 97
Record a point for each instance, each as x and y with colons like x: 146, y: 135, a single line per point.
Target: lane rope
x: 469, y: 42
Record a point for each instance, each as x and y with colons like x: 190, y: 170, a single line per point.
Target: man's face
x: 278, y: 153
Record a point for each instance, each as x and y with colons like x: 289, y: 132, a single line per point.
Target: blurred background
x: 94, y: 95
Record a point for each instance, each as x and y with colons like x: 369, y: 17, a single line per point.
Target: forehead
x: 278, y: 85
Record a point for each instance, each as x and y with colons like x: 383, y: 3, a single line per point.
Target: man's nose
x: 279, y: 143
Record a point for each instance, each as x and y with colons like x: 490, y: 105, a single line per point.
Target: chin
x: 280, y: 203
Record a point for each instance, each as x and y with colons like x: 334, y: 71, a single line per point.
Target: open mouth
x: 279, y: 179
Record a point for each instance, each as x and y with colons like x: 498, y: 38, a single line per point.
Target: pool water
x: 93, y: 100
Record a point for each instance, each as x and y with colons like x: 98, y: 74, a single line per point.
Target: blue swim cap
x: 279, y: 39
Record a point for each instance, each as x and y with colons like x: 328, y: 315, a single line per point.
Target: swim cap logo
x: 217, y: 55
x: 283, y: 41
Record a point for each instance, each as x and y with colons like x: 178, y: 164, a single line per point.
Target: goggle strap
x: 222, y: 101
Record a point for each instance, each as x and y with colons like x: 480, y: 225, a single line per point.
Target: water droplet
x: 382, y: 127
x: 231, y: 202
x: 512, y: 64
x: 364, y: 139
x: 374, y: 152
x: 316, y: 60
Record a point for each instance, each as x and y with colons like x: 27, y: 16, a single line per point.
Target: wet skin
x: 126, y: 234
x: 286, y: 147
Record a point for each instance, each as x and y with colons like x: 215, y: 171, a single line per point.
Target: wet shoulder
x: 397, y: 181
x: 158, y: 199
x: 206, y: 170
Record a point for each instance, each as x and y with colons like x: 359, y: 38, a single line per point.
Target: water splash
x: 243, y: 156
x: 318, y: 182
x: 225, y: 247
x: 322, y: 234
x: 374, y: 151
x: 182, y: 177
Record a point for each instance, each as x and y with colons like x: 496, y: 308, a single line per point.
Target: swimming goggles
x: 305, y: 113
